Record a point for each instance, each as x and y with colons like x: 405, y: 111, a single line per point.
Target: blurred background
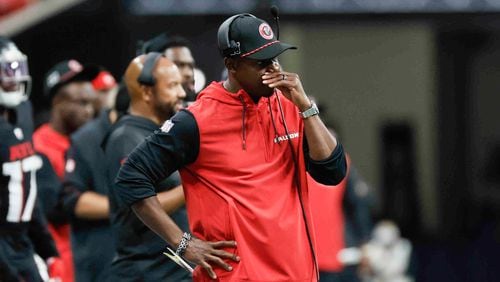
x: 410, y: 86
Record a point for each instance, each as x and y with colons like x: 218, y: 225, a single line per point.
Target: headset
x: 228, y: 47
x: 146, y: 76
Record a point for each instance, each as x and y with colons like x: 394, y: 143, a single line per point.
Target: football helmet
x: 15, y: 81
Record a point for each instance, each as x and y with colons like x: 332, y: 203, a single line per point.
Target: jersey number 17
x: 20, y: 210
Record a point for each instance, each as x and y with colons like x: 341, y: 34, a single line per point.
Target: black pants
x: 156, y: 268
x: 16, y: 259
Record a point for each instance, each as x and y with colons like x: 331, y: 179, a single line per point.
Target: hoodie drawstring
x: 276, y: 135
x: 243, y: 127
x: 299, y: 188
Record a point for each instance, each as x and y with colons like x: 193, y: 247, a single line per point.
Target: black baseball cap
x: 66, y: 72
x: 254, y: 36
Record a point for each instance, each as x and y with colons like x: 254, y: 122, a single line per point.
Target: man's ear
x: 231, y: 64
x: 147, y: 92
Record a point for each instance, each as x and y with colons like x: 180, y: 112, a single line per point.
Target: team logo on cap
x: 53, y: 78
x: 75, y: 66
x: 266, y: 31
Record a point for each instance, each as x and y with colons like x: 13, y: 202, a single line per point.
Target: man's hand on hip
x: 209, y: 254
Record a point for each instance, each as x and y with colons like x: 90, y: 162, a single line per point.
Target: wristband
x: 186, y: 237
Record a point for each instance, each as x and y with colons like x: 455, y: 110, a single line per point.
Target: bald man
x: 156, y: 93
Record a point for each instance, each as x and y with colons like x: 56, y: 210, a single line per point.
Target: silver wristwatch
x: 312, y: 111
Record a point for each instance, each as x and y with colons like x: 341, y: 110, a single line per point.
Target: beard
x: 164, y: 111
x: 73, y: 122
x: 265, y: 91
x: 261, y: 90
x: 268, y: 92
x: 190, y: 95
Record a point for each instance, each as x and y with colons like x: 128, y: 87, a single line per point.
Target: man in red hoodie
x: 242, y: 149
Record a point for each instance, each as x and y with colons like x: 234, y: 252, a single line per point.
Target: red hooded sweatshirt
x: 242, y: 186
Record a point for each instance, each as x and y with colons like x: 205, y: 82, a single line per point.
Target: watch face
x: 312, y: 111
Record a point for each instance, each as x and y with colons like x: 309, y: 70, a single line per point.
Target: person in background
x: 68, y: 86
x: 243, y: 149
x: 85, y: 187
x: 23, y: 227
x: 342, y: 223
x: 155, y: 87
x: 387, y: 256
x: 341, y: 218
x: 176, y: 49
x: 106, y: 89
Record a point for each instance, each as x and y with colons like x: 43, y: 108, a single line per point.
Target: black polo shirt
x: 86, y: 171
x: 139, y: 250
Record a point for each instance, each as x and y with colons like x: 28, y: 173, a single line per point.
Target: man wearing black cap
x: 242, y: 149
x: 85, y: 187
x: 68, y: 85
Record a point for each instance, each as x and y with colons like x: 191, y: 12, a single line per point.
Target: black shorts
x: 17, y: 261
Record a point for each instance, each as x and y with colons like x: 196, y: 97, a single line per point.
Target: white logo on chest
x: 286, y: 137
x: 18, y: 132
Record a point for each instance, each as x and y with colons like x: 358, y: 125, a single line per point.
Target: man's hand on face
x: 209, y: 254
x: 289, y: 84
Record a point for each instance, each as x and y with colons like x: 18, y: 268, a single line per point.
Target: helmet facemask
x: 15, y: 81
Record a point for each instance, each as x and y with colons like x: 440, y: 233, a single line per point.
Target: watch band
x: 312, y: 111
x: 183, y: 244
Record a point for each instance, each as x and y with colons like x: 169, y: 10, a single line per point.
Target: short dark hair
x: 162, y: 42
x: 177, y: 41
